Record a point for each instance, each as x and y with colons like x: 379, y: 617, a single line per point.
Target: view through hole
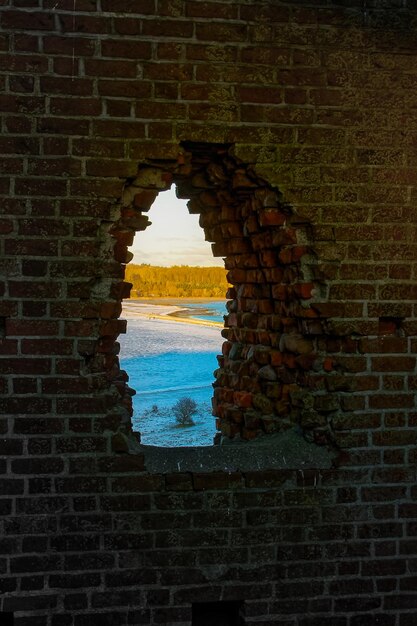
x: 175, y: 316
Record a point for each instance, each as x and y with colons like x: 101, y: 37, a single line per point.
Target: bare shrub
x: 184, y: 410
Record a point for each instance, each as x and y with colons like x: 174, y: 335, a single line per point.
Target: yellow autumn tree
x: 178, y: 281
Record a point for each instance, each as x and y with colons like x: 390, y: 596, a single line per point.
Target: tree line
x: 180, y: 281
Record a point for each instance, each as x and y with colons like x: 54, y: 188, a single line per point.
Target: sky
x: 174, y: 237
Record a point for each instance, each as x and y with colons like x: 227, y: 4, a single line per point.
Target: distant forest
x: 180, y: 281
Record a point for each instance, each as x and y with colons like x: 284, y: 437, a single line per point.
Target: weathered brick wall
x: 313, y: 101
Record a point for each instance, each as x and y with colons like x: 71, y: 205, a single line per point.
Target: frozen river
x: 165, y: 362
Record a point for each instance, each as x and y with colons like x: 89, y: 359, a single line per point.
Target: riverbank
x: 168, y: 310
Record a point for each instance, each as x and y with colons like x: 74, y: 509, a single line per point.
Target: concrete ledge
x: 287, y: 450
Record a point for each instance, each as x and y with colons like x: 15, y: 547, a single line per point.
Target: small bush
x: 184, y: 410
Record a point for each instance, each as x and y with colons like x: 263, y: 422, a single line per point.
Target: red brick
x: 22, y: 84
x: 137, y: 484
x: 35, y: 290
x: 146, y: 7
x: 17, y: 125
x: 126, y: 503
x: 394, y: 438
x: 295, y: 96
x: 93, y: 188
x: 26, y: 43
x: 397, y: 292
x: 6, y: 227
x: 76, y: 106
x: 65, y: 386
x: 24, y: 405
x: 80, y: 46
x: 88, y: 484
x: 25, y: 386
x: 380, y: 157
x: 19, y: 145
x: 269, y: 13
x: 211, y: 9
x: 117, y: 108
x: 66, y: 67
x: 327, y: 97
x: 27, y: 564
x: 217, y: 481
x: 25, y: 366
x: 58, y: 85
x: 221, y: 32
x: 8, y: 347
x: 353, y: 291
x: 260, y: 94
x: 43, y: 227
x: 57, y: 125
x: 52, y: 346
x: 117, y: 129
x: 40, y: 465
x: 201, y: 52
x: 23, y: 20
x: 68, y: 366
x: 81, y: 405
x: 31, y: 327
x: 167, y: 28
x: 393, y: 364
x: 107, y: 67
x: 383, y: 345
x: 170, y: 51
x: 31, y: 248
x: 402, y: 272
x: 55, y: 145
x: 97, y: 147
x: 193, y: 91
x: 110, y: 167
x: 85, y: 24
x: 122, y: 464
x: 168, y: 71
x: 125, y: 48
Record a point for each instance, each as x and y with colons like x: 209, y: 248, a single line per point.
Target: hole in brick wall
x: 262, y: 384
x: 175, y: 316
x: 216, y: 613
x: 6, y: 618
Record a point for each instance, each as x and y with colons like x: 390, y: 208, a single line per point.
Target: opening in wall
x: 272, y: 328
x: 175, y: 316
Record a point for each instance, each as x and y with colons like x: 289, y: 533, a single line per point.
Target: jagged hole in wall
x: 175, y: 316
x: 261, y: 387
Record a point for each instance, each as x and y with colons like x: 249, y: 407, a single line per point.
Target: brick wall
x: 312, y: 104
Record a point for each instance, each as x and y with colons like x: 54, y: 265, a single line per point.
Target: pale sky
x: 174, y: 237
